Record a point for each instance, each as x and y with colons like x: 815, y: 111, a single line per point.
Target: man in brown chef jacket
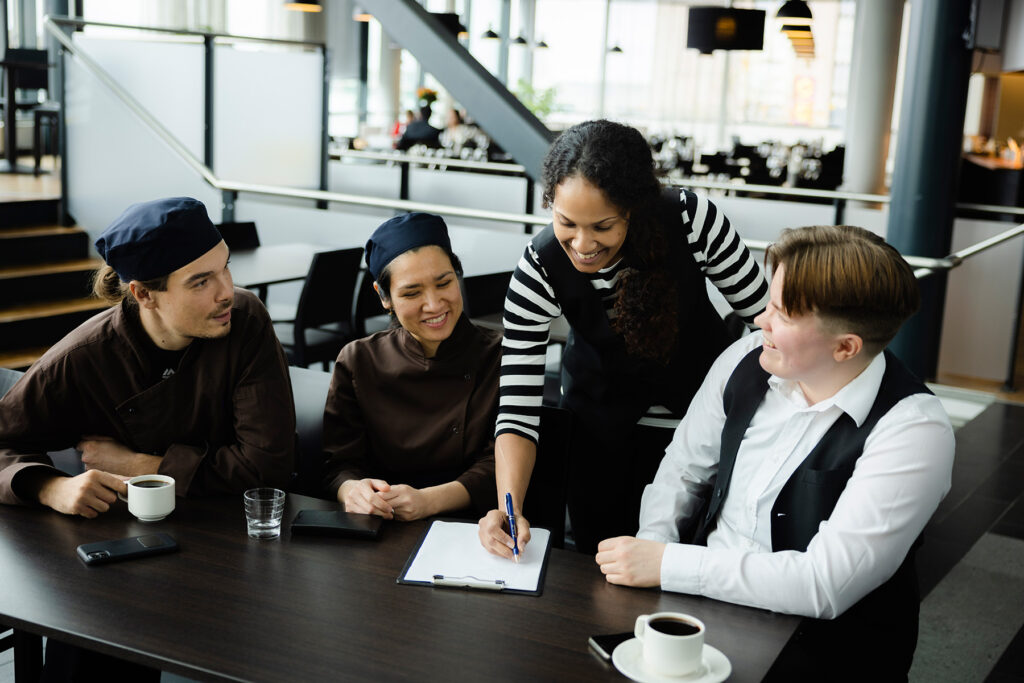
x: 182, y: 376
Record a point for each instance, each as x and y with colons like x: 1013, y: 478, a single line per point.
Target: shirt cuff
x: 681, y: 566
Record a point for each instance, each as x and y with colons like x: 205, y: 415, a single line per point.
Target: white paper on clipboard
x: 453, y: 550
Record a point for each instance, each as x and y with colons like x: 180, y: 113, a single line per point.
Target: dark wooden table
x: 230, y: 608
x: 273, y: 264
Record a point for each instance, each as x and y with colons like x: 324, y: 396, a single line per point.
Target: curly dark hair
x: 617, y: 160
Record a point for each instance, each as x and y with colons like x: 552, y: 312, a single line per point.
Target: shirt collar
x: 855, y: 399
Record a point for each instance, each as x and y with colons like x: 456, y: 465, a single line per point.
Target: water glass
x: 264, y: 508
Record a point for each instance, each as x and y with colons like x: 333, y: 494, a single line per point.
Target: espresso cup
x: 150, y: 497
x: 673, y: 643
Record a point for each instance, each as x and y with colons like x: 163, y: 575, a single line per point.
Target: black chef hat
x: 153, y: 239
x: 398, y: 235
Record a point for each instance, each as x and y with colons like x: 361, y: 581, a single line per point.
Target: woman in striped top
x: 626, y: 262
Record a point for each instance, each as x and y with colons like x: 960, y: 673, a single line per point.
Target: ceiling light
x: 303, y: 5
x: 794, y: 12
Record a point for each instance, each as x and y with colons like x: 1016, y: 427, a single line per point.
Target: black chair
x: 368, y: 314
x: 239, y: 236
x: 323, y: 318
x: 8, y: 378
x: 546, y: 498
x: 50, y: 112
x: 309, y: 387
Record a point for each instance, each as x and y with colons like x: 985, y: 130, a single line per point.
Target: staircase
x: 45, y: 280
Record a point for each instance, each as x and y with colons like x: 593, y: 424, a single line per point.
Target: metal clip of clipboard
x: 468, y: 582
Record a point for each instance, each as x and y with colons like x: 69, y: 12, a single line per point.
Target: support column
x: 876, y: 50
x: 603, y: 83
x: 390, y: 80
x: 527, y: 29
x: 928, y: 163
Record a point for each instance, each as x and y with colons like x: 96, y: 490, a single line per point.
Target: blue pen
x: 512, y: 526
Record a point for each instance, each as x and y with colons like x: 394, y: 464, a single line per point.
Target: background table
x: 308, y: 608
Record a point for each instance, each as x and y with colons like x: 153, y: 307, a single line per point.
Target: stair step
x: 43, y: 324
x: 29, y: 212
x: 50, y: 308
x: 22, y: 285
x: 43, y: 244
x: 21, y: 359
x: 39, y: 269
x: 37, y: 230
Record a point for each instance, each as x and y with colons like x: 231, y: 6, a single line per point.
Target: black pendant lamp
x: 794, y: 12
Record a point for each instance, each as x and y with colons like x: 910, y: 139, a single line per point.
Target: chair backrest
x: 309, y: 387
x: 545, y: 499
x: 366, y: 305
x: 487, y: 295
x: 239, y: 236
x: 8, y: 378
x: 329, y: 288
x: 29, y: 79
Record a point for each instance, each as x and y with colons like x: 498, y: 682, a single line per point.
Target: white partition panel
x: 114, y: 159
x: 978, y: 322
x: 360, y: 178
x: 473, y: 191
x: 267, y: 124
x: 165, y: 77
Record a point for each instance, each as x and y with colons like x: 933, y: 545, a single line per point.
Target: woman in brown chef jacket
x: 409, y: 421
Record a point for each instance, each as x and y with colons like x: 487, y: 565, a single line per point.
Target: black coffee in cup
x: 151, y: 484
x: 674, y: 627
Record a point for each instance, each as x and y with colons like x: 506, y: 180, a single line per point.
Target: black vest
x: 602, y: 384
x: 885, y: 621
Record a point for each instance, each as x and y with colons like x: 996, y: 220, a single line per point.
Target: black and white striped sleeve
x: 724, y: 258
x: 530, y: 306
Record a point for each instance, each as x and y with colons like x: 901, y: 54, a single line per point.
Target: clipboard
x: 449, y: 555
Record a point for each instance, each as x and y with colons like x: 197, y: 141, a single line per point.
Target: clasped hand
x: 377, y: 497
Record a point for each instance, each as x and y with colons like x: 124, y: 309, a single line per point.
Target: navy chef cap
x: 398, y: 235
x: 153, y: 239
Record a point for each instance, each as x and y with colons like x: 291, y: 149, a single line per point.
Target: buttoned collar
x: 855, y: 399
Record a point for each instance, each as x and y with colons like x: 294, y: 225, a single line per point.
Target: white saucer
x: 628, y: 658
x: 152, y: 518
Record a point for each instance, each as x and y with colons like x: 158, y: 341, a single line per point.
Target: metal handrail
x: 230, y: 186
x: 925, y: 265
x: 72, y: 21
x: 400, y: 157
x: 958, y: 257
x: 775, y: 189
x: 133, y: 104
x: 382, y: 203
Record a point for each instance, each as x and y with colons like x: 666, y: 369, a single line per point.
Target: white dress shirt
x: 896, y: 485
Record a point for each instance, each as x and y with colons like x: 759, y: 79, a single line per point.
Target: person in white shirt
x: 806, y: 467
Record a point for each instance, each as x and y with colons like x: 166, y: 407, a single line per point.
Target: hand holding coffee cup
x: 673, y: 643
x: 150, y: 497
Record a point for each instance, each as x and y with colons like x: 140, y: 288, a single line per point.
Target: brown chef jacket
x: 223, y: 422
x: 396, y: 415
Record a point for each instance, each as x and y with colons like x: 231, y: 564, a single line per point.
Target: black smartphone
x: 103, y: 552
x: 336, y: 523
x: 604, y: 645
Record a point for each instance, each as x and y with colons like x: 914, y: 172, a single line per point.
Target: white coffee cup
x: 150, y: 497
x: 673, y: 643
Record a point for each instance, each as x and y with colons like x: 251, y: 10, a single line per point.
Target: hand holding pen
x: 512, y: 526
x: 493, y: 531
